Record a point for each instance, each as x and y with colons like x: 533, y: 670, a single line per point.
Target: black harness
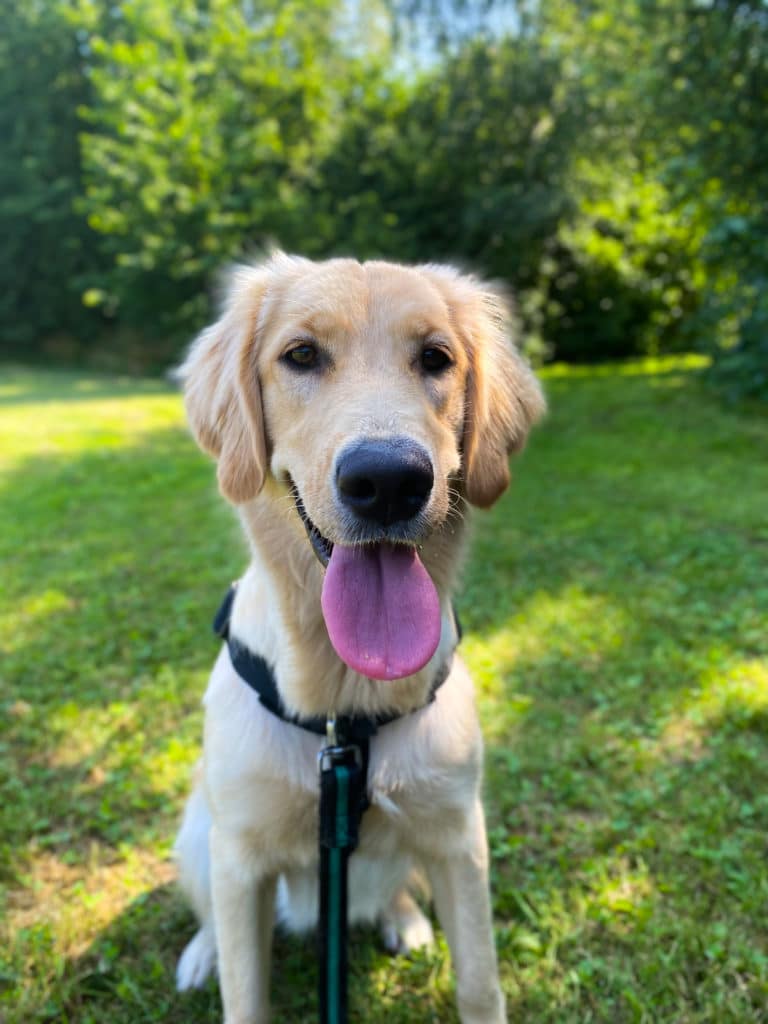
x: 343, y: 800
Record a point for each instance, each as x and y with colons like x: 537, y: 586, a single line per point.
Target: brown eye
x: 302, y: 357
x: 434, y: 360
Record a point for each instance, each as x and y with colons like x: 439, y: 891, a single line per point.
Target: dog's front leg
x: 243, y: 911
x: 462, y: 900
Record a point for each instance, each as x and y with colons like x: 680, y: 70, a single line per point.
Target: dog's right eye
x: 302, y: 357
x: 435, y: 359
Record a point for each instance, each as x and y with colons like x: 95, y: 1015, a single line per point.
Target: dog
x: 355, y: 411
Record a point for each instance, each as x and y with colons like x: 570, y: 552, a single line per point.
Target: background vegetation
x: 610, y: 161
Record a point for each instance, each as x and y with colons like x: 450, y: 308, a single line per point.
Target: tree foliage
x: 202, y: 143
x: 679, y: 95
x: 46, y: 248
x: 608, y: 161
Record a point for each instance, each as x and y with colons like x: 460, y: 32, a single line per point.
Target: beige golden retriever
x: 354, y: 411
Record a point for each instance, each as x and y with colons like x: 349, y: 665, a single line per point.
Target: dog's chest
x: 279, y: 820
x: 262, y: 777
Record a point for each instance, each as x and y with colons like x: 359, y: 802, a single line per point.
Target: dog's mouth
x: 322, y: 547
x: 380, y: 606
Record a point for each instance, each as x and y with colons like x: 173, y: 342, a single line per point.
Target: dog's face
x: 363, y: 382
x: 378, y: 394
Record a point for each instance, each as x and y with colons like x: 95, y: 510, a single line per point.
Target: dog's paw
x: 416, y: 933
x: 407, y: 932
x: 197, y: 961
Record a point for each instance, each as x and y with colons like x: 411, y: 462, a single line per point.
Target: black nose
x: 385, y: 481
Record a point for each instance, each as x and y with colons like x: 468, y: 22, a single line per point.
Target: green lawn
x: 616, y: 614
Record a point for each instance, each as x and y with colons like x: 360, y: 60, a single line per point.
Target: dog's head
x: 380, y: 395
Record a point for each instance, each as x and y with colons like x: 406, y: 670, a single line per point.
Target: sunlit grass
x: 73, y: 427
x: 616, y: 622
x: 643, y: 367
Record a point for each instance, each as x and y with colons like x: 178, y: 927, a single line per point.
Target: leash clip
x: 330, y: 757
x: 335, y: 753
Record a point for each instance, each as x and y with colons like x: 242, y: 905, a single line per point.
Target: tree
x: 207, y: 124
x: 681, y: 89
x: 45, y: 244
x: 467, y: 161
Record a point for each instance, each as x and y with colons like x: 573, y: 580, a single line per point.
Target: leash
x: 343, y: 801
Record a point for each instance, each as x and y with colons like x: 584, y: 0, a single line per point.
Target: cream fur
x: 247, y: 844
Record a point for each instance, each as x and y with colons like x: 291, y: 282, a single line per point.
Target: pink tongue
x: 381, y: 610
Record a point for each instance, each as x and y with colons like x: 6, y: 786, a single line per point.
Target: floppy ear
x: 503, y: 400
x: 503, y: 397
x: 222, y: 392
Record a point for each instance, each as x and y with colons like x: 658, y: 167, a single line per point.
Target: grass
x: 615, y: 612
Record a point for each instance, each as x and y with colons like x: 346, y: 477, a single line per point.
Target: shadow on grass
x: 128, y: 975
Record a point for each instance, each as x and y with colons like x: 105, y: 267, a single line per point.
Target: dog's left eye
x: 435, y: 360
x: 303, y: 357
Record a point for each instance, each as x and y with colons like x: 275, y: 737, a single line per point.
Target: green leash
x: 342, y: 802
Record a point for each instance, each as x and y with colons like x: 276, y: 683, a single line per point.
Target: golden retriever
x: 354, y: 410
